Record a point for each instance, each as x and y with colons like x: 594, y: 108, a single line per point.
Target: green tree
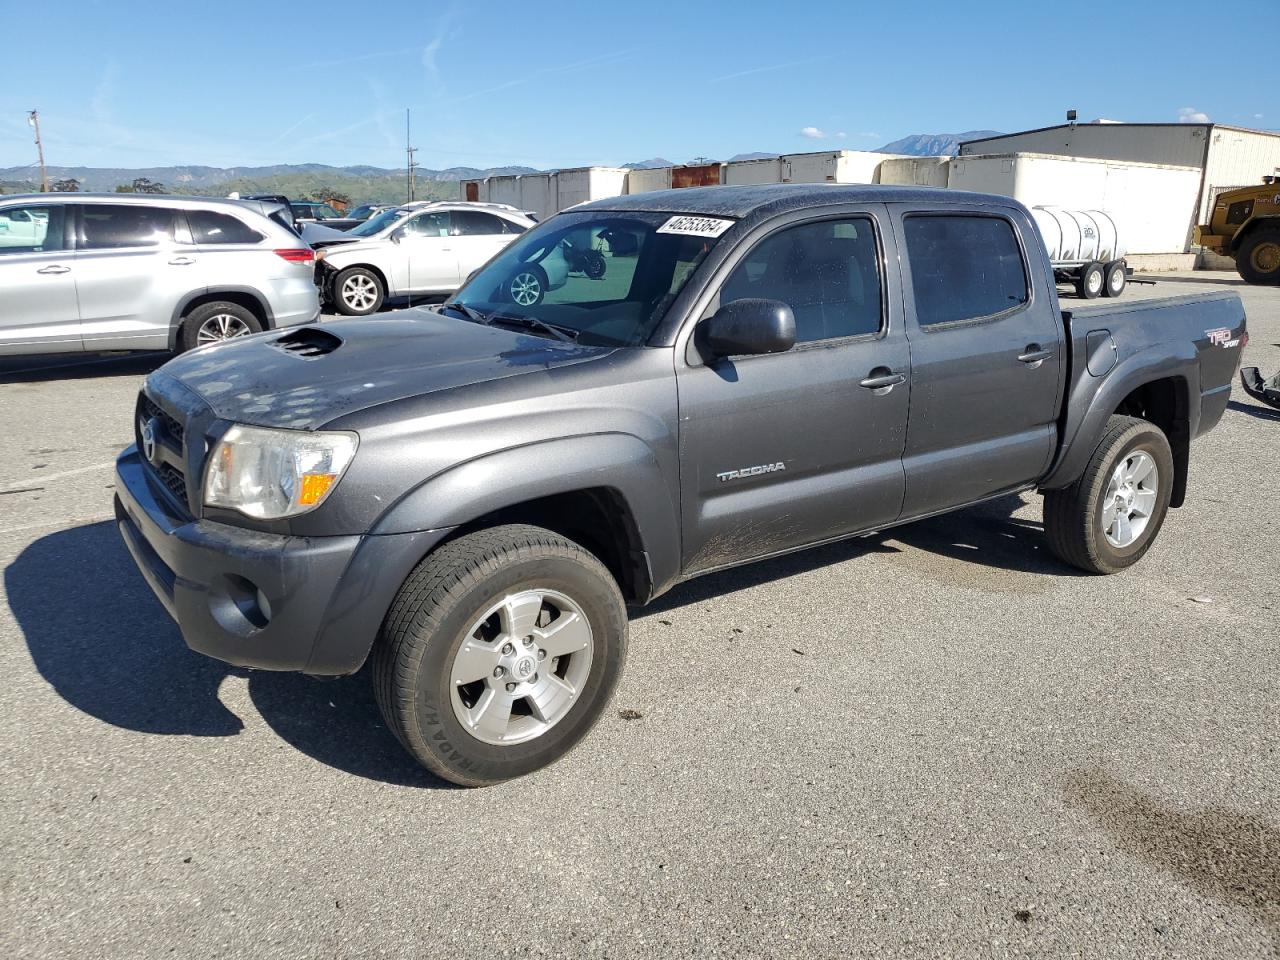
x: 141, y: 185
x: 69, y: 185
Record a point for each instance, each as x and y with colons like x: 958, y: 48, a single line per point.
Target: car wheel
x: 358, y: 292
x: 1115, y: 279
x: 1258, y: 259
x: 1108, y: 518
x: 215, y: 322
x: 528, y: 285
x: 499, y: 653
x: 1092, y: 279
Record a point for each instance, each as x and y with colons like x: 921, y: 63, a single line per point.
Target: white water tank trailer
x: 1085, y: 248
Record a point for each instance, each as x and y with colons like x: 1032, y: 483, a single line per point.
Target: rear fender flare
x: 1095, y: 399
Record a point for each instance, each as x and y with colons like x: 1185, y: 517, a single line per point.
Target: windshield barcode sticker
x: 696, y: 226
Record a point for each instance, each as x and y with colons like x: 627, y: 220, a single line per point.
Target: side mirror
x: 397, y: 235
x: 750, y: 327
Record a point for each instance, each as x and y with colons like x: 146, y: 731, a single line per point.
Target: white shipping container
x: 833, y: 166
x: 580, y: 184
x: 538, y: 193
x: 743, y: 172
x: 1152, y: 204
x: 915, y: 171
x: 646, y: 181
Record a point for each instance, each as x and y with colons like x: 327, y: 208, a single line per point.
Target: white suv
x: 420, y: 248
x: 143, y: 272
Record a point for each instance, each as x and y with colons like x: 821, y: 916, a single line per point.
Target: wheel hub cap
x: 1130, y: 499
x: 521, y: 667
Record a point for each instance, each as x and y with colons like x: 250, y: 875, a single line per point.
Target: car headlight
x: 271, y: 474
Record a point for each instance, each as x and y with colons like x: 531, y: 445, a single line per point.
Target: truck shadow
x: 1253, y: 410
x: 1230, y: 857
x: 986, y: 535
x: 107, y: 647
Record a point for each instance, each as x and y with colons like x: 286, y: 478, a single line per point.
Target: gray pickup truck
x: 473, y: 494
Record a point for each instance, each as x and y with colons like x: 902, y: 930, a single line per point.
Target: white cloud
x: 1192, y: 115
x: 841, y: 135
x: 1257, y: 116
x: 813, y: 133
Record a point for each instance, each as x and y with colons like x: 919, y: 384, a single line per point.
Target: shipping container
x: 697, y: 175
x: 580, y: 184
x: 538, y: 193
x: 915, y: 171
x: 832, y: 166
x: 742, y: 172
x: 649, y: 180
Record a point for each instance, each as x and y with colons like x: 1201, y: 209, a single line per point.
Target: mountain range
x: 935, y: 144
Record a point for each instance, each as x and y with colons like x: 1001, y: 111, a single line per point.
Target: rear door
x: 38, y: 309
x: 986, y: 355
x: 786, y: 449
x: 429, y: 251
x: 131, y: 274
x: 477, y: 236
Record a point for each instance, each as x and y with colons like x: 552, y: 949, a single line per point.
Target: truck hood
x: 305, y: 377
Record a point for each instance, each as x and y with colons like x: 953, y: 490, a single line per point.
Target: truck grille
x: 167, y: 462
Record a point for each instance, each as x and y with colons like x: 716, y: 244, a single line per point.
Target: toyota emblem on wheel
x: 149, y: 448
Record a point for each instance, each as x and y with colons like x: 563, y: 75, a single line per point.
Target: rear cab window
x: 964, y: 267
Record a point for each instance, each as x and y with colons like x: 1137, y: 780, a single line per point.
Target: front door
x: 986, y: 356
x: 38, y: 309
x: 786, y: 449
x: 429, y: 251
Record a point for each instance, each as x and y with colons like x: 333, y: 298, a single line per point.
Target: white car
x: 422, y: 248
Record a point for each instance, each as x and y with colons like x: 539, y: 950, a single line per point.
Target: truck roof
x: 742, y: 201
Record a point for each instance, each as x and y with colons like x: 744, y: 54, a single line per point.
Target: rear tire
x: 1091, y: 281
x: 1258, y: 257
x: 216, y: 322
x: 358, y: 292
x: 1100, y: 523
x: 1115, y: 279
x: 528, y: 285
x: 444, y: 675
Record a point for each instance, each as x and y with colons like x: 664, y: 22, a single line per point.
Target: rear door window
x: 208, y: 227
x: 428, y: 225
x: 109, y: 226
x: 32, y: 229
x: 472, y: 223
x: 963, y: 267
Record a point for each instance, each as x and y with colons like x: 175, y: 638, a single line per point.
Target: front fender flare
x: 619, y: 462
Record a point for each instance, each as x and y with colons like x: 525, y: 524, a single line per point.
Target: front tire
x: 358, y: 292
x: 528, y: 285
x: 215, y: 322
x: 1108, y: 518
x: 1258, y: 258
x: 499, y: 654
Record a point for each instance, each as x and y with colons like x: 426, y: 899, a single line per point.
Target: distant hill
x: 935, y: 144
x: 752, y: 156
x: 653, y: 164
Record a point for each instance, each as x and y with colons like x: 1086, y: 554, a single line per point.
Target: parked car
x: 115, y: 271
x: 476, y: 492
x: 305, y: 211
x: 415, y: 249
x: 357, y: 216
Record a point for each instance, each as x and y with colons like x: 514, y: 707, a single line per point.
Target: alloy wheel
x: 1130, y: 499
x: 219, y: 327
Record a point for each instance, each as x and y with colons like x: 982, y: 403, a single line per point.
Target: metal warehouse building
x: 1226, y: 156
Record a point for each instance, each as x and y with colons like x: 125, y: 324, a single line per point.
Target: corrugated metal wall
x: 1237, y: 158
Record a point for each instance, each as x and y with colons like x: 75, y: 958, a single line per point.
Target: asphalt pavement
x: 935, y: 742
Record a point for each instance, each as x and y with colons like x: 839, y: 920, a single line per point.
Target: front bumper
x: 310, y: 604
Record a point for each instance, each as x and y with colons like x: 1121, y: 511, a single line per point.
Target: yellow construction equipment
x: 1245, y: 225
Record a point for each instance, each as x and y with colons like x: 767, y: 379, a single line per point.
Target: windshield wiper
x: 469, y: 312
x: 567, y: 334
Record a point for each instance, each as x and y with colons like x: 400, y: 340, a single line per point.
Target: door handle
x: 1033, y: 354
x: 881, y: 378
x: 181, y: 262
x: 54, y: 268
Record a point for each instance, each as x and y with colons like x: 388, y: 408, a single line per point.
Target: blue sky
x: 551, y: 83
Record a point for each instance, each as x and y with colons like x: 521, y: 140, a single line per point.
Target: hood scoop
x: 309, y: 342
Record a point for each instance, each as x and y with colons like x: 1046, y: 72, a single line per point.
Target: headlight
x: 270, y: 474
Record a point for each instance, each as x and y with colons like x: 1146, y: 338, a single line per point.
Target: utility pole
x: 33, y: 118
x: 410, y: 174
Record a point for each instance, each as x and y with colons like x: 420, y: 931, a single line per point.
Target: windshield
x: 604, y: 278
x: 376, y: 224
